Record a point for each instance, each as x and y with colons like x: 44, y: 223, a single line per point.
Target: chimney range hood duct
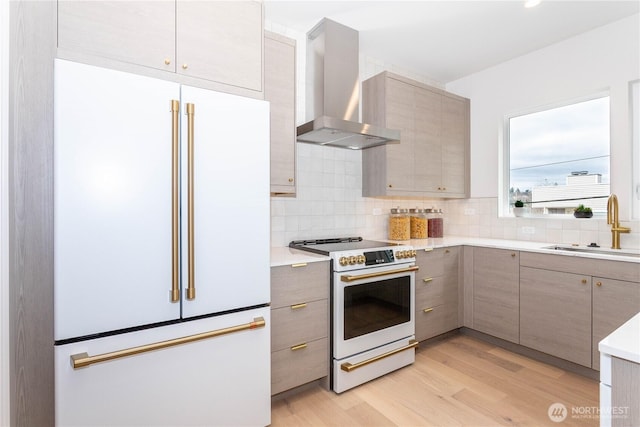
x: 333, y: 92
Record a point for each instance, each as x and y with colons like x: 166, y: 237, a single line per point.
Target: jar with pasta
x: 419, y: 223
x: 399, y: 224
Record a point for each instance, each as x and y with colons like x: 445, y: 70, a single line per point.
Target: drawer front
x: 292, y: 284
x: 292, y: 325
x: 292, y: 368
x: 436, y: 320
x: 435, y: 291
x: 431, y: 263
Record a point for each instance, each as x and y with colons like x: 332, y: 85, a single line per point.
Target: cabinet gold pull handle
x: 513, y: 255
x: 348, y: 367
x: 427, y: 310
x: 584, y: 281
x: 298, y: 306
x: 175, y: 201
x: 301, y: 264
x: 167, y: 61
x: 428, y: 249
x: 83, y: 359
x: 446, y: 251
x: 427, y: 279
x: 290, y: 179
x: 598, y: 283
x: 185, y: 66
x: 191, y: 285
x: 299, y: 346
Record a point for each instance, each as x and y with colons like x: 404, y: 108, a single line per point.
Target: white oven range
x: 372, y: 307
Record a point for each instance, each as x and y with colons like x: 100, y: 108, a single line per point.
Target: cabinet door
x: 454, y: 142
x: 220, y: 41
x: 428, y: 148
x: 614, y: 302
x: 400, y: 105
x: 230, y: 199
x: 555, y: 313
x: 137, y: 32
x: 280, y: 91
x: 112, y: 200
x: 496, y: 293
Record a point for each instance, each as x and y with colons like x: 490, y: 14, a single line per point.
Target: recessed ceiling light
x: 531, y: 3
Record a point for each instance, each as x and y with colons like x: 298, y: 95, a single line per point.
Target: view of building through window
x: 559, y: 158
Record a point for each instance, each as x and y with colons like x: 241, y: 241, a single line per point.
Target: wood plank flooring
x: 460, y: 381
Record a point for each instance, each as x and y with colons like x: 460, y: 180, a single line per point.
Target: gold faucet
x: 612, y: 218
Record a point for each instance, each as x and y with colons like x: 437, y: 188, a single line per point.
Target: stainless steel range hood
x: 333, y: 92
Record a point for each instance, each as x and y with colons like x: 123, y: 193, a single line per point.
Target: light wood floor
x: 460, y: 381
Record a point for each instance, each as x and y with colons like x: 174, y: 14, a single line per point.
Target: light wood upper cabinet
x: 280, y: 91
x: 220, y: 41
x: 496, y: 292
x: 432, y: 158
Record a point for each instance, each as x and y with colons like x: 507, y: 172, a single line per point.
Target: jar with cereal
x: 399, y: 224
x: 419, y: 223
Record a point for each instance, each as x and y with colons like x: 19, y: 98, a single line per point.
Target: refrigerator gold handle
x: 81, y: 360
x: 175, y: 200
x: 191, y: 285
x: 348, y: 278
x: 348, y: 367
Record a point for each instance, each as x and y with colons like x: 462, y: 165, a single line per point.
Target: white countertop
x: 285, y: 255
x: 624, y: 342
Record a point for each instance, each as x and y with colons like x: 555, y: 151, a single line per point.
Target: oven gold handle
x: 348, y: 367
x: 81, y: 360
x: 348, y: 278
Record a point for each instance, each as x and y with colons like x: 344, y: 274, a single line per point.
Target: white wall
x: 606, y: 58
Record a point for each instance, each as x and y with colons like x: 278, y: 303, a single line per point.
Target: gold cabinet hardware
x: 347, y: 278
x: 428, y: 310
x: 390, y: 186
x: 348, y: 367
x: 513, y: 255
x: 83, y: 359
x: 428, y: 249
x: 175, y: 201
x: 185, y: 66
x: 167, y: 61
x: 584, y: 281
x: 191, y: 286
x: 598, y: 283
x: 299, y: 346
x: 301, y: 264
x: 446, y: 251
x: 290, y: 179
x: 298, y: 306
x: 427, y: 279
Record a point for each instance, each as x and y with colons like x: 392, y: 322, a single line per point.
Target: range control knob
x: 413, y: 252
x: 361, y: 259
x: 352, y: 260
x: 400, y: 254
x: 343, y: 261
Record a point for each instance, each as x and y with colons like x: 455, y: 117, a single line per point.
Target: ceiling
x: 447, y: 40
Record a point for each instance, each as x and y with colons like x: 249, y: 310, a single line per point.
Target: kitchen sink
x: 589, y: 250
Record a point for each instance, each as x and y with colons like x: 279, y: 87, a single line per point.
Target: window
x: 559, y: 158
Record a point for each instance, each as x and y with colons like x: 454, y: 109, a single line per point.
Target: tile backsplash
x: 329, y: 203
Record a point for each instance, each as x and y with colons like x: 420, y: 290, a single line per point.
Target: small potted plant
x: 518, y: 208
x: 582, y: 212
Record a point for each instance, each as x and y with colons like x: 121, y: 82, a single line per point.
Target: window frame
x: 504, y: 179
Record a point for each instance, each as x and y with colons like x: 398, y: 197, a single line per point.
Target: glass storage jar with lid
x: 419, y: 223
x: 399, y: 224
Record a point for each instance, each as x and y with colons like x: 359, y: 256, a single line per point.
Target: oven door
x: 372, y: 307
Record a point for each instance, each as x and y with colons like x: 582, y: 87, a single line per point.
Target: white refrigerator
x: 161, y: 240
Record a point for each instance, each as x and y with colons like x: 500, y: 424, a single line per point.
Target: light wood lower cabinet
x: 436, y: 292
x: 614, y: 302
x: 496, y: 292
x: 555, y: 313
x: 300, y: 324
